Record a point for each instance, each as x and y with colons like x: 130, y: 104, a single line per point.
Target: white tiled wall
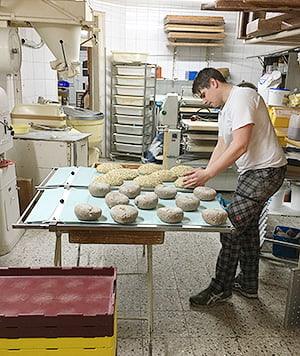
x: 37, y: 78
x: 137, y: 26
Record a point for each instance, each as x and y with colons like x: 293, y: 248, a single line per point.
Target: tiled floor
x: 182, y: 266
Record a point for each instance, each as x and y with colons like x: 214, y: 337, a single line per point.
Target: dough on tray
x: 130, y: 189
x: 111, y: 179
x: 187, y: 202
x: 165, y: 191
x: 149, y: 168
x: 170, y: 215
x: 205, y: 193
x: 146, y: 201
x: 124, y: 214
x: 116, y: 198
x: 215, y: 216
x: 180, y: 170
x: 87, y: 212
x: 126, y: 173
x: 147, y: 181
x: 179, y: 182
x: 165, y: 175
x: 108, y: 166
x: 98, y: 189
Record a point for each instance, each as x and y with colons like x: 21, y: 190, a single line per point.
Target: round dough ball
x: 170, y: 215
x: 111, y: 179
x: 87, y: 212
x: 147, y: 181
x: 124, y: 214
x: 130, y: 189
x: 180, y: 171
x: 149, y: 168
x: 99, y: 189
x: 107, y: 167
x: 215, y: 216
x: 116, y: 198
x: 165, y: 192
x: 179, y: 182
x: 146, y: 201
x: 187, y: 202
x: 205, y: 193
x: 164, y: 175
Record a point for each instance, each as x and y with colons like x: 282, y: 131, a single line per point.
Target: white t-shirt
x: 244, y: 106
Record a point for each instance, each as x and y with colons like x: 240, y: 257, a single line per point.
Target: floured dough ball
x: 98, y: 189
x: 215, y: 216
x: 180, y: 171
x: 170, y: 215
x: 116, y: 198
x: 146, y: 201
x: 110, y: 178
x: 164, y: 175
x: 205, y: 193
x: 107, y: 167
x: 149, y: 168
x: 87, y: 212
x: 179, y: 182
x: 130, y: 189
x: 147, y: 181
x: 187, y: 202
x: 165, y: 192
x: 124, y: 214
x: 126, y: 173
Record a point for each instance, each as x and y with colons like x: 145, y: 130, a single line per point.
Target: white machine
x: 172, y: 135
x: 9, y: 203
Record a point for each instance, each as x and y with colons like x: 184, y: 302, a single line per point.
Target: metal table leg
x: 150, y: 296
x: 57, y: 254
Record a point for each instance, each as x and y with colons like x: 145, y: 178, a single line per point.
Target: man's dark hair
x: 203, y: 77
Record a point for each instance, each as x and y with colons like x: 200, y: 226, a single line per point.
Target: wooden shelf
x: 195, y: 44
x: 193, y: 28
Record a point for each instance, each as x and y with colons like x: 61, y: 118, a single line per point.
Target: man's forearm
x: 217, y: 152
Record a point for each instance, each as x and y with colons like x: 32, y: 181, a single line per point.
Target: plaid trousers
x: 242, y: 246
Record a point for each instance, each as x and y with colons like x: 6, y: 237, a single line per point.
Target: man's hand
x: 196, y: 178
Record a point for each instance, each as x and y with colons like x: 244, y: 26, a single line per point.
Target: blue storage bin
x: 190, y: 75
x: 285, y: 251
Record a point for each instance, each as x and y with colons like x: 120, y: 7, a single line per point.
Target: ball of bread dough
x: 130, y: 189
x: 116, y: 198
x: 170, y: 215
x: 146, y: 201
x: 165, y: 191
x: 164, y: 175
x: 107, y: 167
x: 187, y: 202
x: 149, y: 168
x: 180, y: 171
x: 179, y: 182
x: 147, y: 181
x: 110, y: 178
x: 205, y: 193
x: 98, y: 189
x: 87, y: 212
x: 215, y: 216
x: 124, y: 214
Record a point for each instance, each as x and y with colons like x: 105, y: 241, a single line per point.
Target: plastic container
x: 130, y: 100
x: 294, y: 127
x: 285, y: 251
x: 190, y: 75
x: 134, y: 81
x: 128, y: 90
x: 130, y: 120
x: 134, y: 139
x: 129, y: 57
x: 295, y: 196
x: 278, y: 97
x: 129, y: 129
x: 20, y: 129
x: 126, y: 147
x: 133, y: 70
x: 129, y: 110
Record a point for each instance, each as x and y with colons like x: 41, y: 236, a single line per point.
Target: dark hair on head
x: 203, y: 77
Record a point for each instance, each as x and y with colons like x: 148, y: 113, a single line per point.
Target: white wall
x: 37, y: 78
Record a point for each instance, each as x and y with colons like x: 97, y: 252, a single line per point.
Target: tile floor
x: 182, y: 266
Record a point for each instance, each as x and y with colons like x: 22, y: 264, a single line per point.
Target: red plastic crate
x: 57, y: 302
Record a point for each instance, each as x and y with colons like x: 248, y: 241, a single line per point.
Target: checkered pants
x: 254, y: 188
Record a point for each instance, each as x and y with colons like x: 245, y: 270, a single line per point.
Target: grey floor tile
x: 130, y: 329
x: 130, y: 347
x: 170, y: 346
x: 164, y: 300
x: 170, y: 324
x: 210, y: 345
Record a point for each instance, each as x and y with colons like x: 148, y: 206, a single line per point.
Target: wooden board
x: 196, y: 44
x: 193, y: 28
x: 25, y: 192
x: 172, y: 36
x: 194, y: 20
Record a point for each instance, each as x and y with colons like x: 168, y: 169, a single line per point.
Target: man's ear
x: 213, y: 83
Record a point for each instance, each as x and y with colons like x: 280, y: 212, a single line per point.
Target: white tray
x: 133, y: 70
x: 129, y: 110
x: 129, y: 129
x: 131, y: 100
x: 137, y: 140
x: 134, y: 80
x: 129, y: 57
x: 128, y: 90
x: 126, y: 147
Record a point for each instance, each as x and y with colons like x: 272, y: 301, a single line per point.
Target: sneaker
x: 208, y: 297
x: 237, y: 287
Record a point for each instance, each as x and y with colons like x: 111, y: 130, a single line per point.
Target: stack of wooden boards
x: 195, y: 31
